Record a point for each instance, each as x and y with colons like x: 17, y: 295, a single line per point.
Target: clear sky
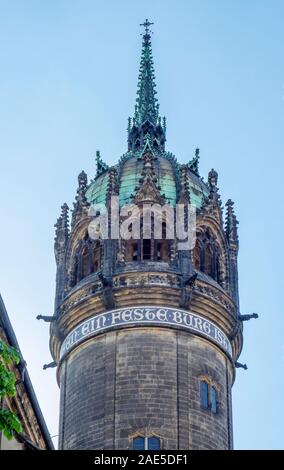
x: 67, y: 86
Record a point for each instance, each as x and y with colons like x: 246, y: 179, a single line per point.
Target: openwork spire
x: 146, y: 122
x: 147, y: 107
x: 61, y: 232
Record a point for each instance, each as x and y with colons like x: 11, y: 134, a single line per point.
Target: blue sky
x: 67, y: 86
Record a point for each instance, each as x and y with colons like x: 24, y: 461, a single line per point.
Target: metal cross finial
x: 146, y: 25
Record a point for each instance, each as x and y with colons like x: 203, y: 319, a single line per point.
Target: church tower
x: 146, y: 331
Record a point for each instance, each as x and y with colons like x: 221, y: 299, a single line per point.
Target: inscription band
x: 143, y: 316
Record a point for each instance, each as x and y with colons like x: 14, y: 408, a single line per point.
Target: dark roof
x: 9, y: 332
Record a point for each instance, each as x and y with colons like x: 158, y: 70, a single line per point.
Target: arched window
x: 163, y: 250
x: 97, y: 257
x: 208, y: 396
x: 197, y: 255
x: 154, y: 443
x: 213, y: 399
x: 208, y: 260
x: 74, y: 272
x: 146, y: 443
x: 139, y: 443
x: 86, y: 262
x: 131, y: 251
x: 204, y: 394
x: 218, y: 269
x: 148, y: 249
x: 206, y: 256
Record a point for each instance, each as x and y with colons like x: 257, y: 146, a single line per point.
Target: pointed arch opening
x: 208, y: 255
x: 85, y: 260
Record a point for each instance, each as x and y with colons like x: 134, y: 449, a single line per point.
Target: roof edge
x: 4, y: 318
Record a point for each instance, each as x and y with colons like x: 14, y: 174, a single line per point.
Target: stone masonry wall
x: 143, y: 380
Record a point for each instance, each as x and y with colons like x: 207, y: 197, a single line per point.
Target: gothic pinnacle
x: 112, y: 188
x: 62, y: 224
x: 61, y: 232
x: 212, y: 204
x: 81, y: 203
x: 231, y: 222
x: 82, y: 181
x: 148, y: 191
x: 193, y: 165
x: 101, y: 165
x: 129, y: 125
x: 148, y: 170
x: 213, y: 180
x: 184, y: 194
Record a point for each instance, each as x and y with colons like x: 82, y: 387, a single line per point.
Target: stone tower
x: 146, y: 334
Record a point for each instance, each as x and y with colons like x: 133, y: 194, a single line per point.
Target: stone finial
x: 213, y: 180
x: 101, y: 165
x: 212, y: 204
x: 81, y: 204
x: 82, y: 182
x: 193, y: 165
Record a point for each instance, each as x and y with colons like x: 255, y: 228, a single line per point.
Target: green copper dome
x: 130, y: 174
x: 198, y: 190
x: 96, y: 192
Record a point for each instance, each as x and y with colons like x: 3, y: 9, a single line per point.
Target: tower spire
x: 146, y: 123
x: 147, y: 107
